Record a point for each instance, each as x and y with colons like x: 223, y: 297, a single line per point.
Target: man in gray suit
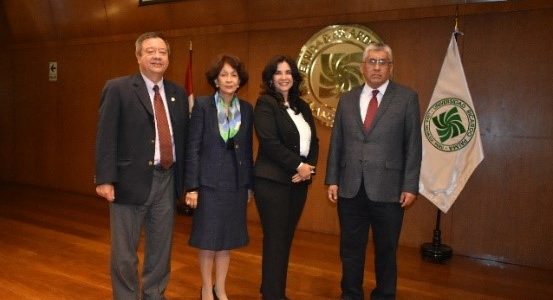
x: 140, y: 168
x: 373, y: 171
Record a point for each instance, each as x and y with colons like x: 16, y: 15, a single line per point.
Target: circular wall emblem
x: 449, y: 124
x: 329, y: 63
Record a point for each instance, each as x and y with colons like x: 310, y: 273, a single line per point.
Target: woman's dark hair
x: 213, y: 71
x: 268, y: 88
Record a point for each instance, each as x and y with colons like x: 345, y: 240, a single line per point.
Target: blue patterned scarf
x: 228, y: 117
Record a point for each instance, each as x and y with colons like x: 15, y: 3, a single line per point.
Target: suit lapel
x: 356, y: 109
x: 212, y: 119
x: 142, y: 93
x: 383, y: 107
x: 286, y: 117
x: 241, y: 130
x: 385, y: 103
x: 170, y: 97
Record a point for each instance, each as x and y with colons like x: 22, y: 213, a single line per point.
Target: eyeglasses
x: 380, y: 62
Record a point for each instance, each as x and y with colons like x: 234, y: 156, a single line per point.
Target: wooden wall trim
x: 316, y: 21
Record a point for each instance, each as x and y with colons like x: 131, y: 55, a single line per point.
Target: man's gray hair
x: 378, y: 47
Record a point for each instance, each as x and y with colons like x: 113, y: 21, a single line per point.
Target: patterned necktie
x: 164, y: 135
x: 371, y: 111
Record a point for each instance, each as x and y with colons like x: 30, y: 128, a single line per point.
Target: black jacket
x: 279, y: 140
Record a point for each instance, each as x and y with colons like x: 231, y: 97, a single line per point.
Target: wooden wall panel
x: 268, y: 10
x: 127, y: 17
x: 30, y: 20
x: 504, y: 210
x: 37, y: 120
x: 6, y: 103
x: 509, y: 69
x: 78, y: 112
x: 79, y: 18
x: 7, y: 107
x: 121, y: 60
x: 513, y: 54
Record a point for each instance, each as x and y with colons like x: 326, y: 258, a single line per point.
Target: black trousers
x: 280, y: 207
x: 357, y: 215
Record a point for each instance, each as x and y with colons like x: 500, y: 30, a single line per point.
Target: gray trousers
x: 156, y: 216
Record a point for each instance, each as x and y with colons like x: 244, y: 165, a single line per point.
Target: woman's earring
x: 270, y: 83
x: 216, y: 84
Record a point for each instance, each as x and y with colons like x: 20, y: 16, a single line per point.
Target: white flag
x: 451, y: 146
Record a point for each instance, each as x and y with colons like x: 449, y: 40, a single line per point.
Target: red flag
x: 188, y: 81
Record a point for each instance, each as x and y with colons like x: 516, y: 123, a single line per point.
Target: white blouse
x: 303, y: 129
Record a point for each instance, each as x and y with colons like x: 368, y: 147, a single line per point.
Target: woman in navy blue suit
x: 288, y: 151
x: 219, y: 174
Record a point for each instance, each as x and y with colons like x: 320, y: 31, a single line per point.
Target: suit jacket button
x: 150, y: 163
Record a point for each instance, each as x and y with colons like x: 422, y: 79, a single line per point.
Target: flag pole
x: 437, y: 252
x: 183, y: 208
x: 189, y: 84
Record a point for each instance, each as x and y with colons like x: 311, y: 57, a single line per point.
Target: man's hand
x: 333, y: 193
x: 192, y: 199
x: 407, y: 199
x: 250, y: 195
x: 106, y: 191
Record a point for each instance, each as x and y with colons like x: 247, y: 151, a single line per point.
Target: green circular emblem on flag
x: 449, y: 124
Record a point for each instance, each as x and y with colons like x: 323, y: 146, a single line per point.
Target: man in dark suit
x: 373, y: 171
x: 140, y: 168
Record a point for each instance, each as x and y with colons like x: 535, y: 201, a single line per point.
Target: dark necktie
x: 371, y: 111
x: 164, y: 135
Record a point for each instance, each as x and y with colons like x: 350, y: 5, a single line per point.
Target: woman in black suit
x: 288, y: 150
x: 219, y: 172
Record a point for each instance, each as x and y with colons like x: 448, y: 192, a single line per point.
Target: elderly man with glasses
x: 373, y: 171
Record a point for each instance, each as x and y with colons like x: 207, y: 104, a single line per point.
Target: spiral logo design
x: 449, y: 124
x: 340, y: 74
x: 329, y: 63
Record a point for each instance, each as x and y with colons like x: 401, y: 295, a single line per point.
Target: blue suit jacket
x: 387, y: 157
x: 125, y: 140
x: 206, y: 146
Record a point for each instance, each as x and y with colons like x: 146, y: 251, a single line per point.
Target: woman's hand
x: 296, y: 178
x: 304, y: 173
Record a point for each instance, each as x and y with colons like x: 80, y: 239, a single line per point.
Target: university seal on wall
x: 330, y: 65
x: 449, y: 124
